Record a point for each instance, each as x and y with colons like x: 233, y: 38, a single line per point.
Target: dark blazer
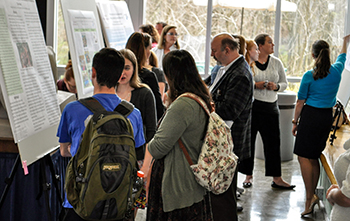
x: 233, y: 96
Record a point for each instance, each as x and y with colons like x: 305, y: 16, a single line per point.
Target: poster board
x: 26, y: 80
x: 84, y: 36
x: 116, y: 23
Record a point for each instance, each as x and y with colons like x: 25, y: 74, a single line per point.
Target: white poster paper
x: 26, y: 78
x: 116, y: 23
x: 87, y: 44
x: 347, y: 62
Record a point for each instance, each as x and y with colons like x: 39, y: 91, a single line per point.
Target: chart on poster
x: 26, y: 78
x: 84, y: 37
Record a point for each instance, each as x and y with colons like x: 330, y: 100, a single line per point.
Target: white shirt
x: 222, y: 72
x: 160, y: 54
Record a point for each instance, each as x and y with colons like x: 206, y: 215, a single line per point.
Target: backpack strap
x: 125, y: 108
x: 198, y: 99
x: 183, y: 148
x: 204, y: 106
x: 92, y: 104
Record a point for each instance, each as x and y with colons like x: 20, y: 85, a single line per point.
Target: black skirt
x: 313, y: 131
x: 197, y: 212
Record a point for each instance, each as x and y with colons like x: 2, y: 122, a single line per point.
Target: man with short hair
x: 159, y: 26
x: 232, y: 93
x: 107, y: 67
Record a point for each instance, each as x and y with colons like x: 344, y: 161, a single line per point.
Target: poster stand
x: 45, y: 185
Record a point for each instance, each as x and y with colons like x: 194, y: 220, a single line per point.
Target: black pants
x: 267, y: 124
x: 68, y: 214
x: 224, y: 206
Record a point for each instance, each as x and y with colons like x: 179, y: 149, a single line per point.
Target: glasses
x: 171, y: 34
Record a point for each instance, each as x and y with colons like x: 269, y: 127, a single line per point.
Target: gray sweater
x: 184, y: 119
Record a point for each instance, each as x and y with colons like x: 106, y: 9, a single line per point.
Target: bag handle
x: 183, y: 148
x: 198, y: 99
x: 204, y: 106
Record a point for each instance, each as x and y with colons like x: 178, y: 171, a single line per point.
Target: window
x: 314, y: 19
x: 190, y: 20
x: 62, y: 43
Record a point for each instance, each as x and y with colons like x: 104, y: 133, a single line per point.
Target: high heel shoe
x: 314, y: 201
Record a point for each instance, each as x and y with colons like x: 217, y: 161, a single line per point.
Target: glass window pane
x: 314, y: 19
x: 190, y: 20
x: 62, y: 43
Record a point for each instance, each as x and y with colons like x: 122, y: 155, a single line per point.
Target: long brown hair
x: 183, y: 76
x: 151, y: 30
x: 321, y: 53
x: 135, y: 81
x: 68, y: 74
x: 137, y: 46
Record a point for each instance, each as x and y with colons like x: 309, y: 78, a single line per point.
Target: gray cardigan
x: 184, y: 119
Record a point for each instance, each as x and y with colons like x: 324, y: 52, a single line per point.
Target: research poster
x: 87, y: 44
x: 26, y: 78
x: 116, y: 23
x: 347, y: 62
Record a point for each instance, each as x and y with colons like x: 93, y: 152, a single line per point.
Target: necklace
x: 125, y: 96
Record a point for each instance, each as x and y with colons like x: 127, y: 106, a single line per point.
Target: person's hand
x: 167, y: 100
x: 260, y: 85
x: 329, y: 193
x: 294, y: 129
x: 347, y: 38
x: 271, y: 86
x: 145, y: 169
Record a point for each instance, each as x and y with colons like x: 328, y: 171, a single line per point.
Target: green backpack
x: 100, y: 177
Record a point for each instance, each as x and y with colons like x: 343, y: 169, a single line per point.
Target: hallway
x: 262, y: 203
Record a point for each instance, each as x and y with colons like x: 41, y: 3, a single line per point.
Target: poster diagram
x: 83, y: 24
x: 26, y: 78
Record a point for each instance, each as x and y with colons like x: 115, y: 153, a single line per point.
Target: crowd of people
x: 152, y: 72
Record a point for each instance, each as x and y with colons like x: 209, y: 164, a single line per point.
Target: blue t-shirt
x: 321, y: 93
x: 72, y: 124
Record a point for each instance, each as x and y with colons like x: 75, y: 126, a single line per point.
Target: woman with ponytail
x: 313, y: 114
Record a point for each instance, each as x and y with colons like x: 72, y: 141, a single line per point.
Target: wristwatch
x: 294, y: 122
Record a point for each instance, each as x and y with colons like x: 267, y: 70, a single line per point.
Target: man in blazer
x: 232, y: 93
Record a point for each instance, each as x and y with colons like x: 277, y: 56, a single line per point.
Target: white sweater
x: 273, y: 73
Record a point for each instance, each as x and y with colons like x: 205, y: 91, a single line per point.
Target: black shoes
x: 274, y: 185
x: 247, y: 184
x: 239, y: 208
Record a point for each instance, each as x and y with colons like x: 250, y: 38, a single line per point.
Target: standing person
x: 252, y: 54
x: 242, y: 51
x: 151, y: 30
x: 107, y: 67
x: 242, y: 44
x: 174, y: 194
x: 136, y: 43
x: 159, y: 26
x: 167, y: 42
x: 232, y: 92
x: 68, y: 82
x: 339, y: 195
x: 313, y: 114
x: 131, y: 89
x: 152, y: 65
x: 269, y: 78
